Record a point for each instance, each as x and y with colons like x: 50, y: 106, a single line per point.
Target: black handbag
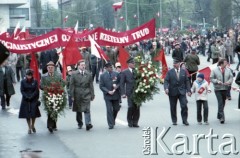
x: 4, y: 53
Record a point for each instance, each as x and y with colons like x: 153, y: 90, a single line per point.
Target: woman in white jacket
x: 201, y: 89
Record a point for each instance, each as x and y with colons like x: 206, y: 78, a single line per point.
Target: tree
x: 37, y: 6
x: 50, y: 16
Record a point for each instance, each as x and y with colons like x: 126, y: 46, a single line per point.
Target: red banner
x: 59, y: 38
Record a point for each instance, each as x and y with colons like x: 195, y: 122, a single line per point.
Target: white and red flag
x: 65, y: 19
x: 117, y: 5
x: 207, y: 72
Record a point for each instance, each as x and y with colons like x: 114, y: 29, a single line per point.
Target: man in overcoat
x: 7, y: 80
x: 82, y: 92
x: 50, y: 76
x: 109, y: 84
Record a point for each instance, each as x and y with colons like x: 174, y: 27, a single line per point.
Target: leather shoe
x: 34, y: 130
x: 88, y: 127
x: 111, y: 127
x: 222, y: 121
x: 79, y: 127
x: 174, y: 123
x: 186, y: 123
x: 50, y: 130
x: 136, y: 126
x: 130, y: 125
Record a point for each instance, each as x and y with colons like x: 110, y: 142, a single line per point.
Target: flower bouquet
x: 146, y: 81
x: 54, y: 99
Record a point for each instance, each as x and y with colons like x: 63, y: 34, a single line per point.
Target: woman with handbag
x: 29, y: 105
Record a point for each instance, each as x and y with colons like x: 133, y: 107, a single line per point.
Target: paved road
x: 121, y: 142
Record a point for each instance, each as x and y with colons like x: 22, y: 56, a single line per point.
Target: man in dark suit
x: 109, y: 84
x: 127, y: 82
x: 176, y: 85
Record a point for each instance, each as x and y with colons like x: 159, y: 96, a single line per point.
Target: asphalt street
x: 122, y: 141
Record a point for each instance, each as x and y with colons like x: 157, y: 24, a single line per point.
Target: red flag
x: 71, y: 54
x: 123, y: 57
x: 117, y: 5
x: 34, y: 67
x: 206, y: 71
x: 162, y: 59
x: 64, y: 69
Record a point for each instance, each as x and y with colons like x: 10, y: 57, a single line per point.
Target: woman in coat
x: 29, y: 105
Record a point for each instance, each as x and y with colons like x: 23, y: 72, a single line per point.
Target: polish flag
x: 96, y: 50
x: 117, y: 5
x: 207, y: 71
x: 65, y: 19
x: 122, y: 18
x: 16, y: 30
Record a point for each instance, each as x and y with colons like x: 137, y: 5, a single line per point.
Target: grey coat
x: 216, y: 75
x: 81, y: 89
x: 10, y: 80
x: 177, y: 86
x: 127, y: 82
x: 106, y: 85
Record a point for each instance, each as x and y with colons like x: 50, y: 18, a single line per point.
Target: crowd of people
x: 117, y: 84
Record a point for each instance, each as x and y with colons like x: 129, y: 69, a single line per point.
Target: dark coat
x: 81, y: 89
x: 177, y: 55
x: 10, y: 80
x: 177, y: 86
x: 106, y: 85
x: 192, y: 62
x: 45, y: 57
x: 127, y: 82
x: 30, y: 95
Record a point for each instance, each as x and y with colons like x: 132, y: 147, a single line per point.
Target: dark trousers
x: 70, y: 101
x: 95, y: 72
x: 112, y: 111
x: 133, y: 113
x: 215, y: 60
x: 229, y: 58
x: 173, y: 107
x: 239, y: 101
x: 19, y: 70
x: 192, y: 78
x: 51, y: 123
x: 229, y: 92
x: 200, y: 104
x: 221, y: 98
x: 5, y: 99
x: 87, y: 117
x: 238, y: 61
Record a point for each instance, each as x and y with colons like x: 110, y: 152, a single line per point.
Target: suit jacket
x: 81, y: 89
x: 106, y: 85
x: 10, y: 77
x: 127, y: 82
x: 177, y: 86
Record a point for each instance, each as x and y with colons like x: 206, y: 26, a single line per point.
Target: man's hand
x: 166, y: 91
x: 111, y: 92
x: 226, y: 84
x: 92, y: 98
x: 124, y: 96
x: 189, y: 94
x: 219, y: 82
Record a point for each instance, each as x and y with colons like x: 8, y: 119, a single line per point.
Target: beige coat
x: 81, y: 89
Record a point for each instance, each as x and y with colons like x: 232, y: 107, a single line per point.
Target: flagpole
x: 138, y: 11
x: 61, y: 15
x: 160, y: 17
x: 126, y: 14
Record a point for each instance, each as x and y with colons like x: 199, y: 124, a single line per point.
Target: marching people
x: 82, y: 92
x: 20, y: 67
x: 222, y: 78
x: 127, y: 82
x: 69, y: 74
x: 7, y: 82
x: 29, y: 104
x: 87, y: 57
x: 177, y: 53
x: 109, y: 84
x: 201, y: 89
x: 192, y: 62
x: 176, y: 85
x: 46, y: 80
x: 215, y: 52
